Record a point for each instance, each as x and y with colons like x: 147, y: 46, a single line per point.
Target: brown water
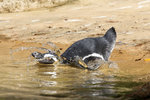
x: 23, y: 78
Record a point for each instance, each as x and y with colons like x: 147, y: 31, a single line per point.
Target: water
x: 20, y: 81
x: 23, y: 78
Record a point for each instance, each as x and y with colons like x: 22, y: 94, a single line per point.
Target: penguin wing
x: 80, y: 48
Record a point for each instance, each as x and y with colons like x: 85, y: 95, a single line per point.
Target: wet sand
x: 87, y: 18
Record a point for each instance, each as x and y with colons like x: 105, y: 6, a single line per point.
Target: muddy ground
x: 86, y: 18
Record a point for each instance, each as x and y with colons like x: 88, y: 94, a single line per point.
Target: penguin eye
x: 36, y: 53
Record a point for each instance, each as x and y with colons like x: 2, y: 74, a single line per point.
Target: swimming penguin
x: 89, y: 53
x: 45, y: 58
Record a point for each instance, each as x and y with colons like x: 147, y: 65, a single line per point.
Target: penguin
x: 45, y: 58
x: 88, y: 53
x: 91, y: 49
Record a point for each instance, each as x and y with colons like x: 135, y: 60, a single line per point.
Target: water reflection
x: 67, y: 81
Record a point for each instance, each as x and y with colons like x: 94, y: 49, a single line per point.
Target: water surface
x: 23, y: 78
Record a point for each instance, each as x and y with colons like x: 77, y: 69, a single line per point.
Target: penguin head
x: 37, y: 55
x: 45, y: 58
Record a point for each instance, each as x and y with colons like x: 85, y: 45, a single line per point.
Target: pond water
x: 23, y: 78
x: 22, y: 81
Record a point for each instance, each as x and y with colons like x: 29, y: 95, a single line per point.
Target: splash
x: 23, y: 54
x: 27, y: 48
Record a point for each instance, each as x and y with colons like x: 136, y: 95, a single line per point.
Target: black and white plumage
x: 90, y: 53
x: 45, y: 58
